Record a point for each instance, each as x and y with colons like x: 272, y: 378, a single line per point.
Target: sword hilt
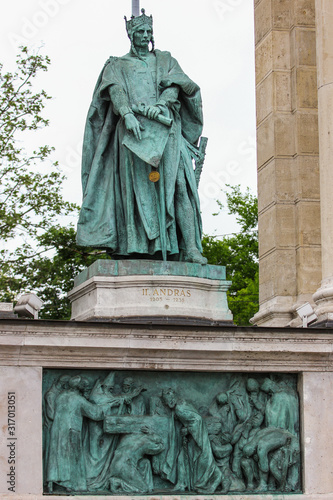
x: 201, y: 158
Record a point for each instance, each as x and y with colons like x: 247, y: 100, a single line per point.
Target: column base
x: 323, y: 299
x: 276, y: 312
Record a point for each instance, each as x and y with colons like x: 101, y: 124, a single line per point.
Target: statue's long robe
x: 204, y: 474
x: 282, y: 410
x: 122, y: 209
x: 48, y: 414
x: 66, y: 460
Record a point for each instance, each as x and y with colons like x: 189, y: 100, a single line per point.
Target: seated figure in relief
x: 277, y: 452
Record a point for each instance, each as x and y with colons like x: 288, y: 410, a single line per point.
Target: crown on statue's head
x: 135, y: 22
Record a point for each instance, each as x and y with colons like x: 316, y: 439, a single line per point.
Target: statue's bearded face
x: 169, y: 398
x: 142, y: 36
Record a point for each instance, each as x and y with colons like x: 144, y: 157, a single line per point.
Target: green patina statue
x: 140, y: 197
x: 165, y: 433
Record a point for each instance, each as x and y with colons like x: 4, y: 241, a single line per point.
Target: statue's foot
x: 225, y: 487
x: 237, y: 484
x: 193, y: 255
x: 179, y: 487
x: 262, y: 486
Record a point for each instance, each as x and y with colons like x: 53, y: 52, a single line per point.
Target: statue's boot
x: 193, y: 255
x: 179, y: 487
x: 262, y: 486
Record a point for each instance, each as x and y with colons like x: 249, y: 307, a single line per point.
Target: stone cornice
x: 109, y: 345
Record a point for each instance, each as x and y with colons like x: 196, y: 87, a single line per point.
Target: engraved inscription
x: 167, y: 294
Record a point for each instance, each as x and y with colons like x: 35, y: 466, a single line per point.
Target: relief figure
x: 99, y: 446
x: 116, y: 436
x: 220, y: 436
x: 50, y: 397
x: 277, y: 451
x: 135, y: 403
x: 282, y: 406
x: 246, y: 430
x: 66, y: 461
x: 131, y: 470
x: 201, y: 473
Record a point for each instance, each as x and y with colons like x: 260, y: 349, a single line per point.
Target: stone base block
x: 323, y: 297
x: 276, y: 312
x: 143, y: 290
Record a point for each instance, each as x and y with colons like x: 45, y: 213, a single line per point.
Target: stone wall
x: 27, y: 347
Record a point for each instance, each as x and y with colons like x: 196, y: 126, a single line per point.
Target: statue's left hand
x: 152, y: 112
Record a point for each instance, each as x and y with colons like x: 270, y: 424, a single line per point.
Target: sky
x: 211, y: 39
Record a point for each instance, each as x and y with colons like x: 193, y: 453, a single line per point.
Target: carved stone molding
x: 92, y: 345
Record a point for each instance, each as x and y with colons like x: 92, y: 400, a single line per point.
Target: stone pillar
x: 324, y: 296
x: 316, y: 414
x: 288, y: 175
x: 21, y: 470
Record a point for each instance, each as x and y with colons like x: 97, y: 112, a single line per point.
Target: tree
x: 239, y: 253
x: 30, y: 201
x: 50, y: 272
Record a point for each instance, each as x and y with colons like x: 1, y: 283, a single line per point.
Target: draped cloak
x: 282, y: 410
x: 122, y: 209
x: 66, y: 461
x: 204, y: 474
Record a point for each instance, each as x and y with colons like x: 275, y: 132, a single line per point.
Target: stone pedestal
x: 139, y: 291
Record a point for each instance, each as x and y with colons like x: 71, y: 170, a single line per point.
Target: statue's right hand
x: 133, y: 125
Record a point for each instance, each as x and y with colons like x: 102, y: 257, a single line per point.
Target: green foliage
x: 50, y: 272
x: 239, y: 253
x: 29, y: 200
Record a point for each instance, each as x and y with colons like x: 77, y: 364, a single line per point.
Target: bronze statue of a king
x: 140, y: 187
